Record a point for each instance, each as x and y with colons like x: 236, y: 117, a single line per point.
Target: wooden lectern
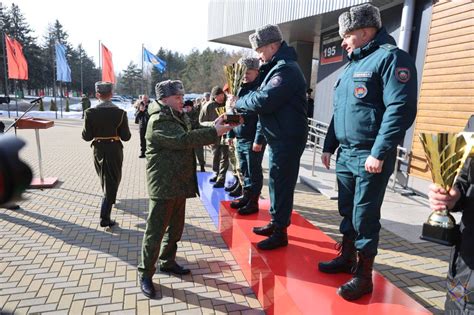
x: 36, y: 124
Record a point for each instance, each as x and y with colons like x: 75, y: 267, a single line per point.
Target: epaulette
x: 388, y: 47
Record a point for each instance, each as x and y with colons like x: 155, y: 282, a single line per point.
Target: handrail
x: 317, y: 134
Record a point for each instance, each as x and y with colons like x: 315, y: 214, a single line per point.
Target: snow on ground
x: 75, y: 111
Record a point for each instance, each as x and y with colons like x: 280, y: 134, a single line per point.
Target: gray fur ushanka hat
x: 250, y: 62
x: 265, y: 35
x: 364, y: 15
x: 169, y: 87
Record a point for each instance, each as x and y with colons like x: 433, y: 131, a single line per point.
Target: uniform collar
x: 382, y: 37
x: 106, y: 104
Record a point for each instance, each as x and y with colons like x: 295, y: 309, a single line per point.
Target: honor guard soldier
x: 171, y: 137
x: 280, y: 102
x: 374, y: 104
x: 106, y: 125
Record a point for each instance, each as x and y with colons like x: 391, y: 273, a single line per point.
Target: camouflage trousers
x: 234, y: 161
x: 164, y: 228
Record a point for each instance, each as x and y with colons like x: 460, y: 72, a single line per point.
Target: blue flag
x: 155, y: 60
x: 63, y: 72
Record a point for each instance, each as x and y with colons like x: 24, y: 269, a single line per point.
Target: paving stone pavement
x: 55, y: 259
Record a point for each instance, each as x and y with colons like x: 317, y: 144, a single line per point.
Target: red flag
x: 17, y: 65
x: 107, y: 65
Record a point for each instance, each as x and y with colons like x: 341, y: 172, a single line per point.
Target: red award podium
x: 37, y: 124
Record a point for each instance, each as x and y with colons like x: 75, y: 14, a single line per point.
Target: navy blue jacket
x: 280, y: 101
x: 250, y: 130
x: 374, y: 99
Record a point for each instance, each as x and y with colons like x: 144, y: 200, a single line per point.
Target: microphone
x: 36, y: 100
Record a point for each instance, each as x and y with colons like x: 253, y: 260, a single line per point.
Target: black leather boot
x: 279, y: 238
x: 233, y: 186
x: 237, y: 191
x: 266, y: 230
x: 251, y: 206
x: 361, y: 284
x: 346, y: 260
x: 242, y: 201
x: 147, y: 287
x: 105, y: 210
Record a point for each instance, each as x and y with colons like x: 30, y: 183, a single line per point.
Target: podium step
x: 211, y: 197
x: 287, y: 281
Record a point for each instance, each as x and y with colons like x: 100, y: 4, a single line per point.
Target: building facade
x: 434, y: 33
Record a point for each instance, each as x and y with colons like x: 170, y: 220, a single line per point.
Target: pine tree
x: 15, y: 25
x: 130, y: 81
x: 41, y: 105
x: 53, y: 107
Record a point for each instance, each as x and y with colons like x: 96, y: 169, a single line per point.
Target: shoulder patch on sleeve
x: 276, y: 81
x: 402, y: 74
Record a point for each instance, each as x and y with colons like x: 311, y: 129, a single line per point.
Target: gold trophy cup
x: 234, y: 74
x: 445, y: 154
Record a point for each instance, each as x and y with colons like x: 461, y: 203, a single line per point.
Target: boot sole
x: 247, y: 213
x: 271, y: 248
x: 148, y: 295
x: 263, y: 233
x: 352, y: 298
x: 334, y: 271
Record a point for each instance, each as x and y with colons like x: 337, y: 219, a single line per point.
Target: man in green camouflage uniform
x: 171, y: 173
x: 105, y: 125
x: 220, y: 149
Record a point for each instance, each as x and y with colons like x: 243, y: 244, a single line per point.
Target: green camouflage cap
x: 103, y: 87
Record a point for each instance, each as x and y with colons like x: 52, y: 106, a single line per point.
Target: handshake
x: 223, y: 124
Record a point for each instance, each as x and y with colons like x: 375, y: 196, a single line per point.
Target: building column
x: 304, y: 50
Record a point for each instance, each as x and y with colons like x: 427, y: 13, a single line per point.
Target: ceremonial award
x: 445, y: 154
x: 234, y: 74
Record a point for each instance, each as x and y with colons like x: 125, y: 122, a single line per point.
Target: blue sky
x: 123, y: 26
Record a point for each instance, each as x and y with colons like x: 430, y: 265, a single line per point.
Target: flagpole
x: 54, y: 83
x: 16, y: 100
x: 61, y: 96
x: 100, y: 64
x: 5, y: 68
x: 143, y: 77
x: 82, y: 81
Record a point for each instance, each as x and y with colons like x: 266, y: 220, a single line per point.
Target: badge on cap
x: 402, y: 74
x: 276, y: 81
x: 360, y: 90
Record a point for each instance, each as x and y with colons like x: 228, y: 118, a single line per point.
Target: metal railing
x: 317, y: 133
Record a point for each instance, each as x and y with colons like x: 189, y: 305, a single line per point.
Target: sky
x: 123, y: 26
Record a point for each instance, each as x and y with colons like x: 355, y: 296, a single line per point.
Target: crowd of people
x: 375, y: 102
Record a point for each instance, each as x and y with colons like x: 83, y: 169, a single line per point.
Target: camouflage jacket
x: 170, y: 141
x: 209, y: 112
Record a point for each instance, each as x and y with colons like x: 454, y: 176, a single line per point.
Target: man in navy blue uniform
x: 281, y: 105
x: 374, y: 104
x: 250, y: 145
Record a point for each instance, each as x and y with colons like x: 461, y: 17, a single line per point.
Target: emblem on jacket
x: 402, y: 74
x: 276, y: 81
x: 360, y: 90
